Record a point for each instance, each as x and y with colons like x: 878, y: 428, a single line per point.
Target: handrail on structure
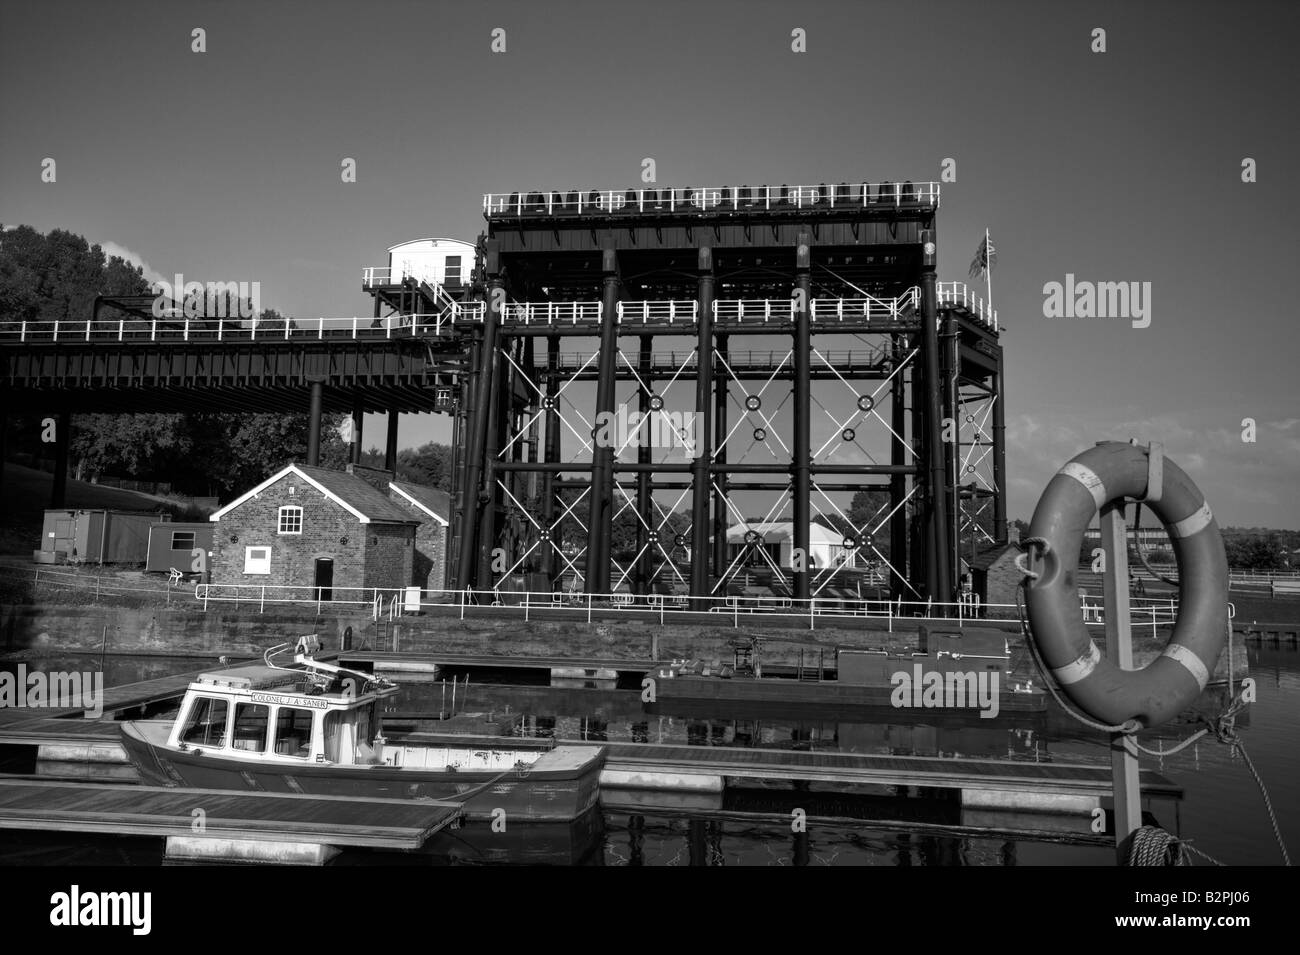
x: 713, y: 199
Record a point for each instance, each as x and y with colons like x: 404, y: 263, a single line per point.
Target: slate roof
x: 436, y: 501
x: 370, y: 505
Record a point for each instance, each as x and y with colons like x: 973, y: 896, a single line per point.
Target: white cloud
x: 150, y: 273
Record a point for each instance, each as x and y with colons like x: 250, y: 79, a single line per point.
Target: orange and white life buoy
x: 1165, y: 687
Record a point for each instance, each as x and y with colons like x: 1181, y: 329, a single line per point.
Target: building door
x: 324, y: 582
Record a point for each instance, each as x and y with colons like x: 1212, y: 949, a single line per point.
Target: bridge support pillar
x: 551, y: 455
x: 390, y: 447
x: 467, y: 559
x: 62, y: 438
x: 646, y: 521
x: 313, y: 423
x: 358, y: 419
x: 602, y: 458
x: 703, y: 429
x: 937, y: 493
x: 801, y: 558
x: 720, y: 518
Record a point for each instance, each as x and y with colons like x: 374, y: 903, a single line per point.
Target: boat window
x: 333, y: 732
x: 250, y: 727
x: 293, y: 732
x: 206, y: 725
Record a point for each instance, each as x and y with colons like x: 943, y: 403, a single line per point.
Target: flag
x: 985, y: 258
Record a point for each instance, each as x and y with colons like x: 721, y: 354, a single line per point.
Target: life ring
x: 1158, y: 692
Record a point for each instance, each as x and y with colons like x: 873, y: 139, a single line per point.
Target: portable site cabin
x: 172, y: 545
x: 94, y: 537
x: 444, y: 261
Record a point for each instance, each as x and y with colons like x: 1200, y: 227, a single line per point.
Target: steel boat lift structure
x: 804, y: 326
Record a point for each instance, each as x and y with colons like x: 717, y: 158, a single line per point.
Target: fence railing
x: 712, y: 199
x: 957, y: 293
x: 395, y: 601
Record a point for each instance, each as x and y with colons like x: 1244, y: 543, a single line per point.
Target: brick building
x: 313, y: 527
x: 995, y: 577
x: 432, y: 508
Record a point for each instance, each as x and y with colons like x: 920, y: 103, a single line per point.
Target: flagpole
x: 988, y: 273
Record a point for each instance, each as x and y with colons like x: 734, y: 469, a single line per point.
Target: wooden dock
x: 637, y: 761
x: 387, y: 660
x: 302, y: 825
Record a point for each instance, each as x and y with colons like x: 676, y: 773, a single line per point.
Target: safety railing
x: 126, y: 331
x: 374, y: 275
x: 957, y: 293
x: 670, y: 312
x: 776, y: 607
x: 551, y: 313
x: 713, y: 199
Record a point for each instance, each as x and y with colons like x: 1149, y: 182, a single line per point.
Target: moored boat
x: 316, y: 728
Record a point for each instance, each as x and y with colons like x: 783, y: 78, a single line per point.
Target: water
x: 1222, y: 812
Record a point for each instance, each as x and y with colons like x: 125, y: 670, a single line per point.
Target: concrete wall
x: 245, y: 631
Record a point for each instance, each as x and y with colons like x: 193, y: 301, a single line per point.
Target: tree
x: 429, y: 465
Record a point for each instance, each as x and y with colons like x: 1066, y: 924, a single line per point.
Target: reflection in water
x: 1222, y: 810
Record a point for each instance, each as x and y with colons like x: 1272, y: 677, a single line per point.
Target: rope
x: 1223, y: 726
x: 1137, y: 546
x: 1151, y: 845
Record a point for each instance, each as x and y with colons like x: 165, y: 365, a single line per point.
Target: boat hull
x: 528, y: 795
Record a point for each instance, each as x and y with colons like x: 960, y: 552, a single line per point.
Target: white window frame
x: 288, y: 510
x: 252, y: 565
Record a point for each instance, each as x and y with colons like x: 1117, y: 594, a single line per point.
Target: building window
x: 257, y: 560
x: 453, y: 270
x: 182, y: 540
x: 290, y: 519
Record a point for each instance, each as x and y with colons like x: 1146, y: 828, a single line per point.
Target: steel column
x: 390, y: 445
x: 600, y: 526
x: 801, y: 446
x: 898, y: 482
x: 999, y: 453
x: 720, y: 457
x: 551, y: 455
x: 938, y: 578
x: 644, y: 508
x: 62, y: 439
x: 703, y: 426
x: 358, y: 419
x: 313, y: 423
x: 478, y: 421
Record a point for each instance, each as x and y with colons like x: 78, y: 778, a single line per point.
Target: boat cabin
x: 266, y: 713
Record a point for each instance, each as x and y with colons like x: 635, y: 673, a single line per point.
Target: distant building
x: 994, y: 576
x: 442, y: 261
x: 172, y: 545
x: 826, y: 547
x: 432, y: 508
x: 1150, y: 538
x: 314, y: 527
x: 81, y: 535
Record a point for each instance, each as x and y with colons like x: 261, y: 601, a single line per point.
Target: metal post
x: 390, y: 446
x: 644, y: 508
x: 720, y: 457
x: 62, y: 439
x: 897, y: 482
x: 1119, y: 651
x: 938, y: 578
x: 358, y: 419
x: 999, y: 451
x: 550, y: 565
x: 704, y: 426
x: 498, y: 414
x: 466, y: 562
x: 801, y: 447
x: 313, y: 423
x: 600, y: 526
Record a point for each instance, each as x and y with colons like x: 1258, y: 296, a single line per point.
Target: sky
x: 1115, y: 166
